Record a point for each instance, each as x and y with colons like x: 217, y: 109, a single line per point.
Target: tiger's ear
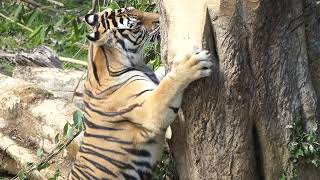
x: 91, y: 19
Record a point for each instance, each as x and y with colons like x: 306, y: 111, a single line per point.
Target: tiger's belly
x: 104, y: 156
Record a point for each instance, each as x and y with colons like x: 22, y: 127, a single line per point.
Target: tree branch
x: 94, y: 6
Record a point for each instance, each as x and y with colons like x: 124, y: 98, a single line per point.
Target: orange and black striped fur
x: 127, y: 110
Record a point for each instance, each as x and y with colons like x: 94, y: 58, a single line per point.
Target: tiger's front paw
x: 191, y: 66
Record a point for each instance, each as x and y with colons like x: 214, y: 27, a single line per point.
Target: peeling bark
x: 234, y: 124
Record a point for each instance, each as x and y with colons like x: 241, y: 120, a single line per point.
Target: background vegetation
x: 24, y: 27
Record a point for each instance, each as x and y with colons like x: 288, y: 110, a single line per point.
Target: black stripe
x: 174, y: 109
x: 143, y: 134
x: 91, y: 175
x: 90, y: 94
x: 151, y: 141
x: 138, y: 80
x: 116, y: 73
x: 152, y: 76
x: 86, y: 112
x: 138, y: 152
x: 114, y: 162
x: 107, y: 138
x: 103, y: 149
x: 141, y: 33
x: 121, y: 20
x: 99, y: 166
x: 95, y: 38
x: 128, y: 177
x: 121, y: 42
x: 108, y: 24
x: 126, y: 36
x: 144, y: 164
x: 84, y: 167
x: 144, y: 175
x: 135, y: 50
x: 96, y: 126
x: 111, y: 114
x: 140, y: 93
x: 83, y: 173
x: 114, y: 22
x: 75, y: 174
x: 95, y: 72
x: 112, y: 14
x: 116, y: 87
x: 126, y: 121
x: 103, y: 23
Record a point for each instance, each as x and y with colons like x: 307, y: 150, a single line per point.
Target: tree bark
x: 233, y: 124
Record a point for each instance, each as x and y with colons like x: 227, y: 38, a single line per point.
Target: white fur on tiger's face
x: 127, y: 110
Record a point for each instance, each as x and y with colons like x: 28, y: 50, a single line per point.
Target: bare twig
x: 51, y: 155
x: 94, y: 6
x: 56, y: 3
x: 30, y: 59
x: 75, y: 61
x: 32, y: 3
x: 75, y: 89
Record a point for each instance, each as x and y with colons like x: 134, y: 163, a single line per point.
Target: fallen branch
x: 42, y: 56
x: 71, y: 60
x: 13, y: 150
x: 56, y: 3
x: 32, y: 3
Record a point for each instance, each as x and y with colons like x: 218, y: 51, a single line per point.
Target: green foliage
x: 56, y: 175
x: 303, y: 147
x: 70, y: 131
x: 40, y: 152
x: 165, y: 168
x: 60, y: 28
x: 6, y: 67
x: 77, y: 126
x: 152, y: 55
x: 57, y: 27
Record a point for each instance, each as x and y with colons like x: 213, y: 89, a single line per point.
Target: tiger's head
x: 126, y: 29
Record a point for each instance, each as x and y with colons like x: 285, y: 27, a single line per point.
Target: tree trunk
x: 234, y: 124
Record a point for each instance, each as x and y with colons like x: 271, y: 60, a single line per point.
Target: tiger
x: 126, y: 109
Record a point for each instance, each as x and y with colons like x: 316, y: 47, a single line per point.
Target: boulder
x: 67, y: 84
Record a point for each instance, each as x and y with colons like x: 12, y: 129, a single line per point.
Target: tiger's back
x: 115, y: 146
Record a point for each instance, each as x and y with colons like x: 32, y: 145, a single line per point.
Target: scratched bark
x: 266, y: 75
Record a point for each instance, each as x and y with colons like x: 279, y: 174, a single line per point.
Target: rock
x: 41, y: 56
x: 61, y: 83
x: 30, y: 117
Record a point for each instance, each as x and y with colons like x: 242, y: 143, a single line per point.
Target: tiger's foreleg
x: 163, y: 102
